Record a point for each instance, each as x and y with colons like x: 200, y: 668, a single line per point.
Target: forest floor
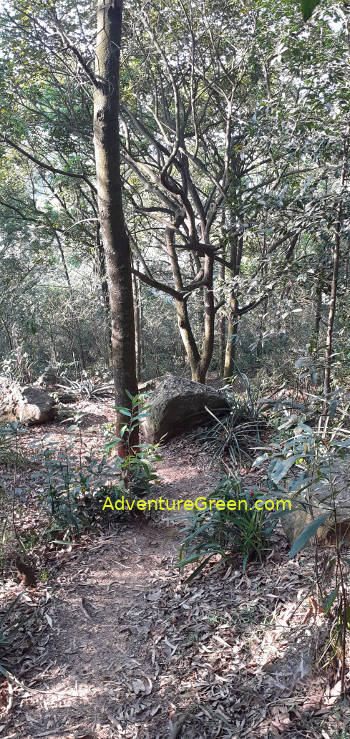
x: 114, y: 643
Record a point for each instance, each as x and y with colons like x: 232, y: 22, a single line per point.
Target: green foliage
x: 138, y: 475
x: 280, y: 173
x: 234, y: 434
x: 299, y: 457
x: 77, y: 484
x: 75, y: 488
x: 304, y: 538
x: 308, y: 7
x: 210, y: 533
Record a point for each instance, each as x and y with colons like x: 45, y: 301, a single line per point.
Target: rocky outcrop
x: 337, y: 479
x: 178, y: 404
x: 25, y: 404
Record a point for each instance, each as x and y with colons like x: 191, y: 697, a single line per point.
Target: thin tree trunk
x: 221, y: 343
x: 183, y: 320
x: 74, y: 318
x: 53, y: 355
x: 317, y: 329
x: 209, y: 321
x: 110, y: 208
x: 137, y: 321
x: 104, y: 289
x: 222, y: 327
x: 233, y: 317
x: 332, y: 306
x: 142, y: 338
x: 232, y: 333
x: 188, y: 339
x: 334, y: 286
x: 318, y: 315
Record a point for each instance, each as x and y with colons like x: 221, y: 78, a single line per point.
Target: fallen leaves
x: 223, y: 656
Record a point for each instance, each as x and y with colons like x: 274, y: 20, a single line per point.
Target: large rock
x: 177, y: 404
x: 336, y: 479
x: 25, y: 404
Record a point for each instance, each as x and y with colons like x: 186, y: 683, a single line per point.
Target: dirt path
x: 108, y: 655
x: 131, y: 651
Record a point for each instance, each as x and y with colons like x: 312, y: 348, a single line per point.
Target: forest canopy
x: 174, y: 369
x: 234, y: 153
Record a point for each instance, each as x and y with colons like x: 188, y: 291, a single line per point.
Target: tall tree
x: 110, y: 207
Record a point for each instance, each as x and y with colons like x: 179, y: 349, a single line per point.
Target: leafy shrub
x: 75, y: 491
x: 78, y: 485
x: 137, y: 468
x: 87, y: 387
x: 299, y: 457
x: 225, y: 532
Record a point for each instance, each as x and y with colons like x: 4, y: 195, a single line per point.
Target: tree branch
x: 158, y: 285
x: 49, y: 167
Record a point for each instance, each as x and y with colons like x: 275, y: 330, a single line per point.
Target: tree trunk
x: 183, y: 320
x: 332, y: 306
x: 318, y: 315
x: 231, y: 343
x: 137, y: 321
x: 233, y: 316
x: 104, y: 290
x: 336, y: 259
x: 53, y: 354
x: 188, y: 339
x: 209, y: 320
x: 316, y: 335
x: 222, y: 328
x: 110, y: 208
x: 221, y: 344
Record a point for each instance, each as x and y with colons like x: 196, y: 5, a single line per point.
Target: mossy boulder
x: 178, y: 404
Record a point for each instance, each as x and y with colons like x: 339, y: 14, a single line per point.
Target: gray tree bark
x: 110, y: 207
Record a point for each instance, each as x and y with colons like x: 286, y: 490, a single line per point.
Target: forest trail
x: 127, y: 649
x: 108, y: 669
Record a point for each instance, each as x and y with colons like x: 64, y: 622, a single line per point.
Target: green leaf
x: 259, y: 460
x: 306, y: 535
x: 308, y: 7
x: 281, y: 468
x: 341, y: 444
x: 198, y: 569
x: 330, y: 599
